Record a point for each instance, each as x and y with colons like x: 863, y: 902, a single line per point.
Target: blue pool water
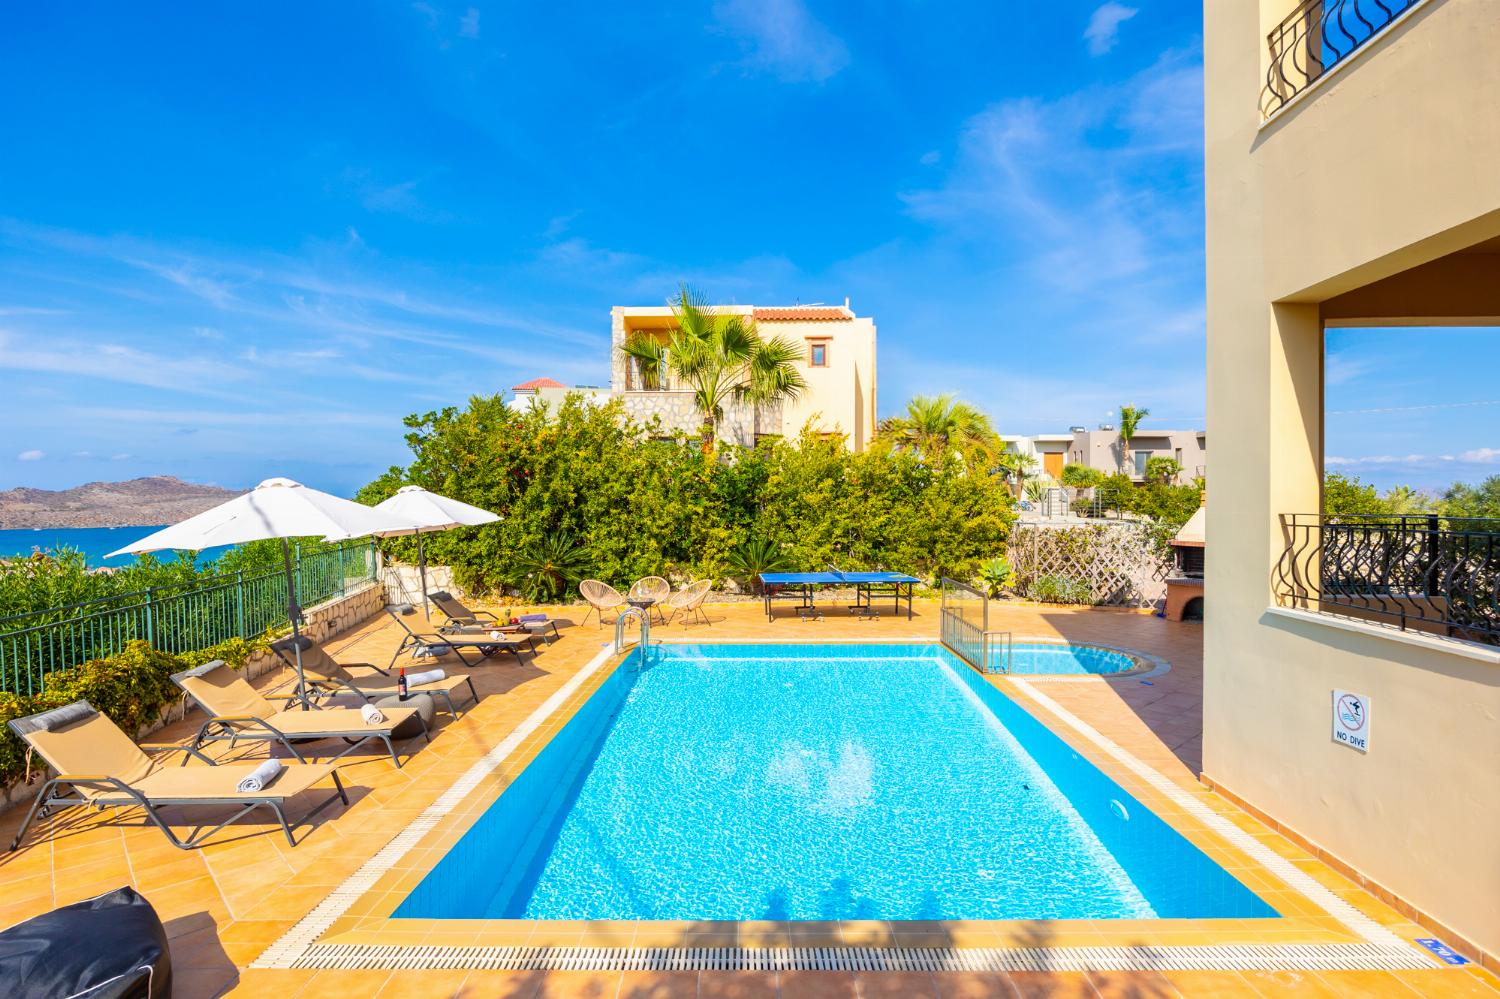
x: 1045, y: 657
x: 817, y: 782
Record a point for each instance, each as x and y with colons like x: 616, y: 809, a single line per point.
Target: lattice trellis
x: 1118, y: 562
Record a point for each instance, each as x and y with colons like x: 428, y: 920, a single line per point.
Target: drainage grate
x: 1250, y: 957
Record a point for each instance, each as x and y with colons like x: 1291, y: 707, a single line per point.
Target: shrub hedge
x: 131, y: 688
x: 586, y: 492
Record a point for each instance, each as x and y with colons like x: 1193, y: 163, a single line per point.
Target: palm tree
x: 722, y: 358
x: 933, y: 425
x: 1130, y: 419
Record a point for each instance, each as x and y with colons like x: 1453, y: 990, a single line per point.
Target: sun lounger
x: 441, y: 643
x: 98, y: 764
x: 461, y: 618
x: 326, y: 675
x: 238, y: 711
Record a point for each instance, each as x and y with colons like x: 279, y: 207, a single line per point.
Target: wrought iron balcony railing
x: 1315, y: 37
x: 1421, y: 572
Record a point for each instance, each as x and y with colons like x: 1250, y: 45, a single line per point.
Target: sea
x: 94, y: 542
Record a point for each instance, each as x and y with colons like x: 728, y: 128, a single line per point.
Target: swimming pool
x: 1030, y: 658
x: 802, y: 782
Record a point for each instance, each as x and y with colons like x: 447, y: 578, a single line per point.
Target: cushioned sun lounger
x: 462, y: 617
x: 98, y: 764
x: 238, y: 711
x: 437, y: 644
x: 327, y: 675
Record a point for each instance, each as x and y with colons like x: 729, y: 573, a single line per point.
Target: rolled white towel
x: 496, y: 635
x: 428, y: 676
x: 371, y: 714
x: 260, y: 778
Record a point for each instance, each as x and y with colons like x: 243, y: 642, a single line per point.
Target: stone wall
x: 326, y: 620
x: 403, y: 583
x: 677, y: 412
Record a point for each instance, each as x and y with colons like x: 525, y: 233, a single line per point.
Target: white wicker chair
x: 601, y: 597
x: 689, y: 601
x: 652, y: 588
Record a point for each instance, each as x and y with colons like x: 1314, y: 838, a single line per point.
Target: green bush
x: 639, y: 502
x: 131, y: 688
x: 1080, y: 476
x: 1053, y: 589
x: 234, y: 651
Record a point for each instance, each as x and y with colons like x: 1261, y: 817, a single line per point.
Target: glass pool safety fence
x: 175, y: 618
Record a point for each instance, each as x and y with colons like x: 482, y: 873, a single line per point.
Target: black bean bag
x: 109, y: 947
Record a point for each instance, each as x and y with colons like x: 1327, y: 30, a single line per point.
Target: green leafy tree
x: 1130, y: 421
x: 1483, y: 500
x: 1079, y: 476
x: 1346, y: 495
x: 935, y: 426
x: 720, y: 357
x: 1163, y: 470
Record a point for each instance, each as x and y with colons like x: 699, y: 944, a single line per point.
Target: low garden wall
x: 326, y: 620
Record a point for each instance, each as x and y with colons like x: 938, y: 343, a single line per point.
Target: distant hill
x: 158, y: 499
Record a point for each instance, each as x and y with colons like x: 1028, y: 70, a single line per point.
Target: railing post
x: 150, y: 623
x: 239, y: 601
x: 343, y: 581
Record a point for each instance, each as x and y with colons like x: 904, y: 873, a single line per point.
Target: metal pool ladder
x: 644, y: 641
x: 1001, y: 642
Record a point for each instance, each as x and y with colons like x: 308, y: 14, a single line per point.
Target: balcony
x: 1423, y: 572
x: 1316, y: 37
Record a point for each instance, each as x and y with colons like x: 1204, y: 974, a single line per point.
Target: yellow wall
x: 840, y: 398
x: 1386, y: 164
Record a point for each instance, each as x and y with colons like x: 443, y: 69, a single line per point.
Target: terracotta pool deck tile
x: 817, y: 985
x: 1052, y: 985
x: 429, y: 983
x: 896, y: 985
x: 737, y: 985
x: 972, y: 985
x: 580, y: 985
x: 659, y: 985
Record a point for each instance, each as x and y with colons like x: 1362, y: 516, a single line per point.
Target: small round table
x: 644, y: 604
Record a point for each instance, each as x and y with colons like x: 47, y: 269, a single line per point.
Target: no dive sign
x: 1351, y: 720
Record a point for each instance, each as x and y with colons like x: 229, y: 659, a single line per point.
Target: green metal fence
x: 175, y: 618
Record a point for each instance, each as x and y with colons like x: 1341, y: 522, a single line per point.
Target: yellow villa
x: 1351, y: 181
x: 838, y: 364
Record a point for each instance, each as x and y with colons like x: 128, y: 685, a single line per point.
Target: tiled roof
x: 537, y: 383
x: 795, y: 313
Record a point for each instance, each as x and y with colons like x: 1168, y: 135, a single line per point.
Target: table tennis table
x: 800, y: 586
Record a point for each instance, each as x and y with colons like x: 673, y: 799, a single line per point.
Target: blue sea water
x: 94, y: 542
x: 817, y: 782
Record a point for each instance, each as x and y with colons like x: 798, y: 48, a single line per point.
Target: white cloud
x: 468, y: 25
x: 930, y: 158
x: 116, y: 362
x: 122, y: 456
x: 31, y: 455
x: 1482, y: 455
x: 1104, y: 26
x: 782, y: 37
x: 1084, y: 191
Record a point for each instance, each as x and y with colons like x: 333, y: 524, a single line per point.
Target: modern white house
x: 1101, y: 449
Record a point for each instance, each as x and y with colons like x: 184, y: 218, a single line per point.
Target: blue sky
x: 244, y: 241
